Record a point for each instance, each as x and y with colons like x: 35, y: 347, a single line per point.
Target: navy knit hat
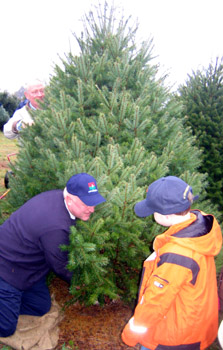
x: 167, y: 195
x: 84, y: 186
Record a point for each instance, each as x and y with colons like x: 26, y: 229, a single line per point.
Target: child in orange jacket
x: 178, y: 303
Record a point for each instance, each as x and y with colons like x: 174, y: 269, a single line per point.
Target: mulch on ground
x: 90, y: 328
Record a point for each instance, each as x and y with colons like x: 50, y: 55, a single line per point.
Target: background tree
x: 107, y: 114
x: 9, y: 102
x: 202, y: 97
x: 4, y: 117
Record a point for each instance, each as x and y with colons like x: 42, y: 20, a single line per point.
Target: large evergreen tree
x: 107, y: 114
x: 202, y: 96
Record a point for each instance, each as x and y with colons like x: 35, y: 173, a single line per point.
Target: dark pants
x: 34, y: 301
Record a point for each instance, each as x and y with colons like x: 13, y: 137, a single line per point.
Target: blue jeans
x: 34, y: 301
x: 143, y: 348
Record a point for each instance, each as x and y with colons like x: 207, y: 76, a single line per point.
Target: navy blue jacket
x: 30, y: 240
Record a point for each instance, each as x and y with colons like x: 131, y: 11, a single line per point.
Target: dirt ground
x: 94, y: 327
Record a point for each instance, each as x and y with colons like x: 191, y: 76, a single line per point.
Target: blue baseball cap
x: 84, y: 186
x: 167, y: 195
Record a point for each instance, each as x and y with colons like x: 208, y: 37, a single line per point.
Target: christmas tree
x: 106, y: 113
x: 202, y: 96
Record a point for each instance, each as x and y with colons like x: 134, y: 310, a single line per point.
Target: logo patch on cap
x: 92, y: 187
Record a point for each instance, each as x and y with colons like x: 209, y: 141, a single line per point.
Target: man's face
x: 35, y: 93
x: 78, y: 208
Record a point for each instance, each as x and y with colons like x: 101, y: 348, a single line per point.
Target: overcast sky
x: 187, y: 35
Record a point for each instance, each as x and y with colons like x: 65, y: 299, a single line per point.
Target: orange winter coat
x: 178, y: 301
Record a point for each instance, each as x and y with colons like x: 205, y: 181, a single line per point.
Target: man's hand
x: 18, y: 125
x: 24, y: 124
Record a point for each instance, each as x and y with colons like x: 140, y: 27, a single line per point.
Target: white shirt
x: 65, y: 194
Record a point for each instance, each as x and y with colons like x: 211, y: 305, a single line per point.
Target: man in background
x: 34, y: 93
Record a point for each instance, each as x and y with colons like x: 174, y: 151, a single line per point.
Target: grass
x: 7, y: 147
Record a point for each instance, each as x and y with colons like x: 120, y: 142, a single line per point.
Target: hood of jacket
x: 201, y: 233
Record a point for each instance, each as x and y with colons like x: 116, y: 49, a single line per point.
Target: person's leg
x: 36, y: 300
x: 143, y: 348
x: 10, y: 301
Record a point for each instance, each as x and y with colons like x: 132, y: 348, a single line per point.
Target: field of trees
x: 107, y: 113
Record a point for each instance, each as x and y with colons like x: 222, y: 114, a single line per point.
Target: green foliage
x: 4, y: 117
x: 70, y: 346
x: 202, y: 97
x: 107, y: 114
x: 9, y: 102
x: 4, y: 347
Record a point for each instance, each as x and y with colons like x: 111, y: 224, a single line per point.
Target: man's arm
x: 55, y: 257
x: 10, y: 128
x: 20, y: 118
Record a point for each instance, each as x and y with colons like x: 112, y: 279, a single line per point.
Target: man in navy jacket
x: 30, y: 247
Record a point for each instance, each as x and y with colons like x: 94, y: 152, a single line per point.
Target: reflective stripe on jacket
x: 178, y: 303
